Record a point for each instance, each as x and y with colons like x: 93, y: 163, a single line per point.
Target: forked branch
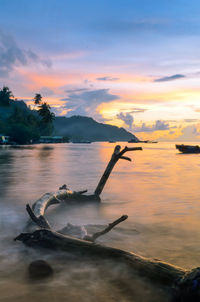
x: 114, y: 159
x: 40, y: 221
x: 106, y: 230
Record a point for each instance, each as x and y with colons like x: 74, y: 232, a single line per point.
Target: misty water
x: 158, y: 190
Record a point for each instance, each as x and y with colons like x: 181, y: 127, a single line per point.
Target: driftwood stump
x: 64, y: 195
x: 117, y: 154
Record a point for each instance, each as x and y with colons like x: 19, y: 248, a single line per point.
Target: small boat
x: 188, y: 148
x: 112, y: 141
x: 132, y: 140
x: 81, y: 142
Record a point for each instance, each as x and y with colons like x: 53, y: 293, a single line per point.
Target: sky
x: 130, y: 63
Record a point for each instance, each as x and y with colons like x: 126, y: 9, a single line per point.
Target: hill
x: 7, y: 111
x: 81, y: 128
x: 23, y: 124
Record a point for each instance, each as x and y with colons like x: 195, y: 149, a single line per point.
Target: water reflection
x: 159, y: 191
x: 6, y: 161
x: 45, y: 152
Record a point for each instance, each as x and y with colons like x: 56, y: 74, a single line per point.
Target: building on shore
x: 51, y: 139
x: 4, y: 139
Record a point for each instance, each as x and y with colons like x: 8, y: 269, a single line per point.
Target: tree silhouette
x: 37, y: 99
x: 5, y: 96
x: 45, y: 113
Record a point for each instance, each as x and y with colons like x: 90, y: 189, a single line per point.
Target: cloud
x: 76, y: 90
x: 31, y: 56
x: 85, y: 102
x: 11, y: 55
x: 107, y: 79
x: 135, y: 110
x: 189, y: 133
x: 46, y: 91
x: 197, y: 109
x: 191, y: 120
x: 127, y: 27
x: 158, y: 126
x: 127, y: 118
x: 138, y: 110
x: 170, y: 78
x: 59, y: 110
x: 140, y: 26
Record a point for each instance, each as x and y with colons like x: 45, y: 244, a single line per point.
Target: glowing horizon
x: 136, y: 67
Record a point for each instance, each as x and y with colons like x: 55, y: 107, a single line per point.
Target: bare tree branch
x: 106, y: 230
x: 114, y: 158
x: 40, y: 221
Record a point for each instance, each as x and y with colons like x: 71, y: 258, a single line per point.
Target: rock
x: 39, y: 269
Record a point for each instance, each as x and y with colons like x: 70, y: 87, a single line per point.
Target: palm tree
x: 37, y: 99
x: 45, y: 113
x: 46, y: 126
x: 5, y: 96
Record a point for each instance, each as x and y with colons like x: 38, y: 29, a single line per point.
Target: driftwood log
x: 183, y: 285
x: 64, y: 194
x: 117, y: 154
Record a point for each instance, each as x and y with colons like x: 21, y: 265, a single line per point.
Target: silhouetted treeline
x: 23, y: 124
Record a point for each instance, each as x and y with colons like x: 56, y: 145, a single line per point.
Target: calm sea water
x: 158, y: 190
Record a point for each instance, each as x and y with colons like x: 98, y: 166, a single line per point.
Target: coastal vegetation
x: 21, y: 123
x: 25, y: 124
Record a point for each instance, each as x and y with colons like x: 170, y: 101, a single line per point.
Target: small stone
x: 39, y: 269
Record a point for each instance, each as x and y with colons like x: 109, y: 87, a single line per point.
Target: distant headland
x: 22, y: 124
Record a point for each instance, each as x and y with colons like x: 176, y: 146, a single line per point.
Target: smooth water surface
x: 158, y: 190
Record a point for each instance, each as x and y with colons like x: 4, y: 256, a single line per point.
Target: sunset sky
x: 130, y: 63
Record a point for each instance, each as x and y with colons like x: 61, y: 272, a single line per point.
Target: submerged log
x: 154, y: 269
x: 160, y: 272
x: 183, y: 285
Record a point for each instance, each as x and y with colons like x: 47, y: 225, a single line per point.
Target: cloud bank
x: 85, y: 102
x: 158, y: 126
x: 107, y: 79
x: 11, y: 55
x: 127, y: 118
x: 170, y: 78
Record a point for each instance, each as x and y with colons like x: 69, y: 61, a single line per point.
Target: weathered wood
x: 160, y: 271
x: 63, y: 195
x: 114, y: 159
x: 48, y: 199
x: 40, y: 220
x: 183, y: 284
x: 66, y: 195
x: 106, y: 230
